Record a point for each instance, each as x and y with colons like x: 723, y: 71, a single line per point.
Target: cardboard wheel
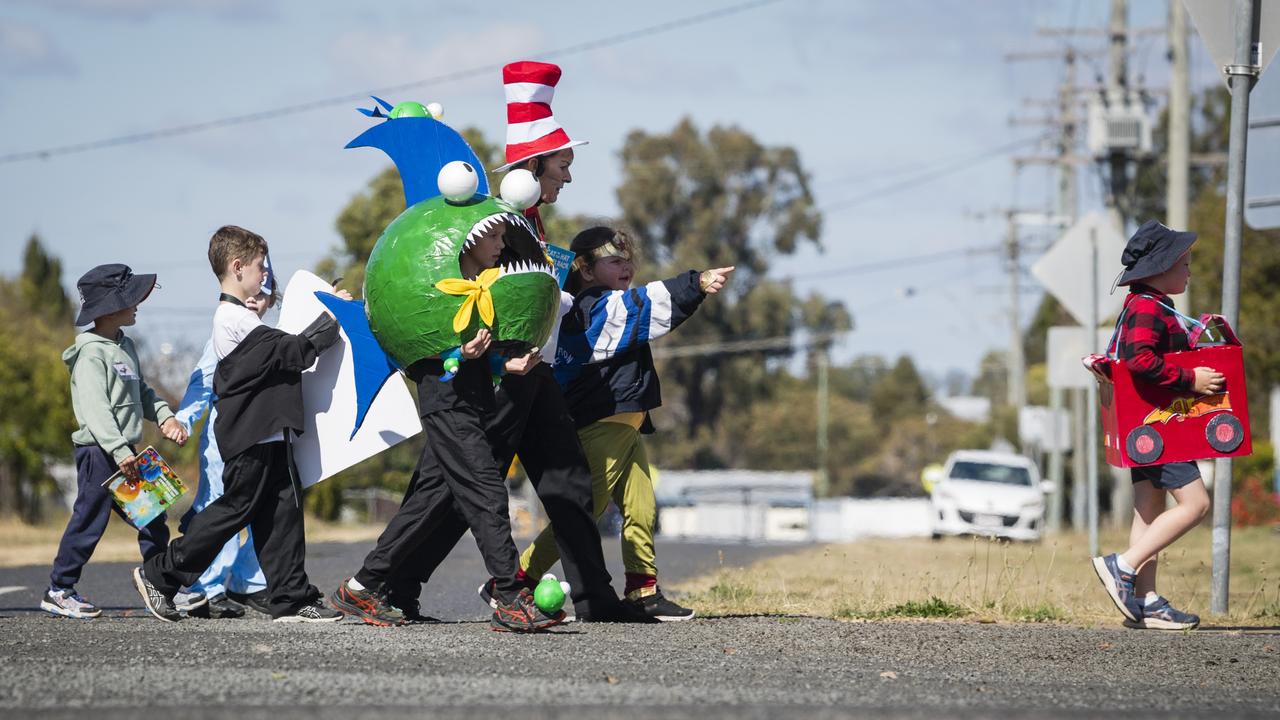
x: 1224, y: 433
x: 1144, y: 445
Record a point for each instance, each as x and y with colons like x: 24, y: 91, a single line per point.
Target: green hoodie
x: 108, y: 394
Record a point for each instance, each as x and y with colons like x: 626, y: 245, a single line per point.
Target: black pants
x: 533, y: 420
x: 89, y: 517
x: 258, y: 492
x: 456, y: 479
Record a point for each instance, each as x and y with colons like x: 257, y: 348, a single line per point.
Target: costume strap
x: 223, y: 297
x: 1112, y: 344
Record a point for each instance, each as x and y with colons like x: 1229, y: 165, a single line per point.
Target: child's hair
x: 230, y: 242
x: 583, y: 246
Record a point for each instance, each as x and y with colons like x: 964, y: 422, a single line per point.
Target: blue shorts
x: 1169, y: 476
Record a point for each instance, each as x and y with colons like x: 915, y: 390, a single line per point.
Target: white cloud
x: 379, y: 59
x: 28, y: 50
x: 138, y: 10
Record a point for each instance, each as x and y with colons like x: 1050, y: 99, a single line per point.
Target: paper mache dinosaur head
x: 417, y: 301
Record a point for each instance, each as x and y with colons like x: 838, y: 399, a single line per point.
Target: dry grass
x: 37, y: 544
x: 984, y: 580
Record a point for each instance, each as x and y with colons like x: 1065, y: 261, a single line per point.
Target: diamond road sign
x: 1064, y: 270
x: 1215, y: 21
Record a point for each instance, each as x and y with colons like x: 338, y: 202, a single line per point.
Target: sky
x: 871, y: 94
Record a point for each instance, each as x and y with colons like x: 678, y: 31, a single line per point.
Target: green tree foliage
x: 41, y: 284
x: 900, y: 393
x: 36, y: 421
x: 700, y: 200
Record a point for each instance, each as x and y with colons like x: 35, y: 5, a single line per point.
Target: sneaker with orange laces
x: 522, y: 615
x: 368, y: 604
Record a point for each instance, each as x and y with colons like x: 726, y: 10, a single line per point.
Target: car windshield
x: 987, y: 472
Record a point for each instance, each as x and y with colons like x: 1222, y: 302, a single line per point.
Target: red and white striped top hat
x: 531, y: 128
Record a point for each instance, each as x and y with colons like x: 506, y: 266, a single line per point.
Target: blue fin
x: 372, y: 366
x: 419, y: 147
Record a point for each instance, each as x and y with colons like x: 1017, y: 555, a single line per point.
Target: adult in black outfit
x: 532, y: 418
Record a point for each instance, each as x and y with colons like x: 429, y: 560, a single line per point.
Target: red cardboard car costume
x: 1144, y: 424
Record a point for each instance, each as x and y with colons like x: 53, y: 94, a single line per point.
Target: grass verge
x: 984, y: 580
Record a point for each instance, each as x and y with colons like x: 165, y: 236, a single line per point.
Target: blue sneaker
x: 1119, y: 585
x: 1160, y: 615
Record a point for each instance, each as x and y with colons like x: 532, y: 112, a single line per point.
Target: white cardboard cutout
x: 329, y: 397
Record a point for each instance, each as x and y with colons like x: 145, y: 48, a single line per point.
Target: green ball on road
x: 549, y: 595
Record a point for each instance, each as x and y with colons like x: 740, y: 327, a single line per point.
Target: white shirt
x: 548, y: 351
x: 231, y: 325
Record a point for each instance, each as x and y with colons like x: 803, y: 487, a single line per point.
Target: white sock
x: 355, y: 585
x: 1150, y: 599
x: 1120, y: 563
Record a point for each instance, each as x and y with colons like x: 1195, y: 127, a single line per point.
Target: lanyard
x: 223, y: 297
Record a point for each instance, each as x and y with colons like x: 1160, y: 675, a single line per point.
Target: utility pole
x: 1069, y: 209
x: 1120, y: 160
x: 823, y: 479
x: 1242, y: 73
x: 1017, y: 360
x: 1178, y: 189
x: 1118, y: 93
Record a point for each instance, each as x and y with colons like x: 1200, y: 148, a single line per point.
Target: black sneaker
x: 155, y: 601
x: 611, y: 611
x: 313, y: 612
x: 369, y: 604
x: 657, y: 606
x: 259, y: 601
x: 522, y: 615
x: 410, y: 609
x: 219, y: 607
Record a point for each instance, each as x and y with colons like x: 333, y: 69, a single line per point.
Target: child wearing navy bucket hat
x: 111, y: 400
x: 1157, y: 264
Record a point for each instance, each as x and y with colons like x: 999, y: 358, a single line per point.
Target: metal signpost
x: 1233, y: 32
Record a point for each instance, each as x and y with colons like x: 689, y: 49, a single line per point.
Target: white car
x: 989, y: 493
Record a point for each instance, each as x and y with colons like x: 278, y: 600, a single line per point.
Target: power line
x: 287, y: 110
x: 934, y: 174
x: 894, y: 263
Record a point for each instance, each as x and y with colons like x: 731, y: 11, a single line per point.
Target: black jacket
x: 603, y: 360
x: 259, y: 385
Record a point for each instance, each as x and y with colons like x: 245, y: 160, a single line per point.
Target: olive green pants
x: 619, y: 471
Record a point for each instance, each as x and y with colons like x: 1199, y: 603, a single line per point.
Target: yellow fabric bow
x: 477, y: 296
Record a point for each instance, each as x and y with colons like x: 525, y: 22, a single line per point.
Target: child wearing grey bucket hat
x: 111, y: 399
x: 1157, y: 265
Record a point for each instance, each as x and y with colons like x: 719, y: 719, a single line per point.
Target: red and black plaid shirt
x: 1149, y: 332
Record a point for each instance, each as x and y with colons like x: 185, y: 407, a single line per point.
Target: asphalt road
x: 735, y: 667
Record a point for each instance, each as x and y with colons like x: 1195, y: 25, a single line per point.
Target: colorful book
x: 561, y: 260
x: 156, y: 489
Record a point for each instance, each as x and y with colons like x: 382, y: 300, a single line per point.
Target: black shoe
x: 522, y: 615
x: 611, y: 611
x: 154, y: 600
x: 259, y: 601
x: 313, y: 612
x: 219, y: 607
x: 369, y: 605
x: 411, y: 610
x: 657, y: 606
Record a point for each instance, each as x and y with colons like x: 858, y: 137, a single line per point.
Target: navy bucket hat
x: 1153, y: 249
x: 110, y: 288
